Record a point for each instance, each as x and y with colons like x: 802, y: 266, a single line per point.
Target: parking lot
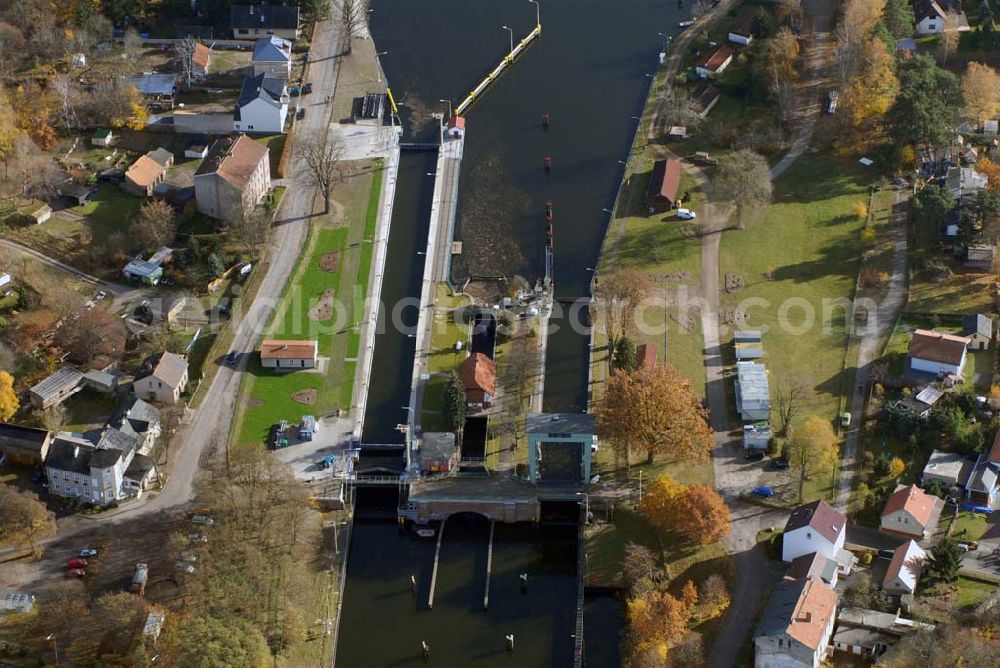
x: 305, y: 458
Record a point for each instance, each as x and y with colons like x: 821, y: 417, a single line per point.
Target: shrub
x: 860, y: 210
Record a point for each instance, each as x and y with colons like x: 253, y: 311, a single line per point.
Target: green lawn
x: 110, y: 208
x: 87, y: 410
x: 973, y: 592
x: 797, y: 260
x: 337, y: 258
x: 969, y: 526
x: 965, y: 291
x: 276, y: 144
x: 449, y: 328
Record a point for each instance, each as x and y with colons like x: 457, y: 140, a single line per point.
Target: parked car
x: 307, y: 89
x: 203, y: 519
x: 686, y: 214
x: 968, y: 546
x: 831, y: 101
x: 780, y: 464
x: 302, y: 113
x: 886, y: 554
x: 76, y: 572
x: 985, y: 510
x: 198, y: 538
x: 231, y: 357
x: 76, y: 562
x: 184, y: 567
x: 139, y: 577
x: 100, y: 296
x: 88, y: 552
x: 187, y: 556
x: 764, y: 491
x: 753, y: 455
x: 845, y: 419
x: 294, y: 90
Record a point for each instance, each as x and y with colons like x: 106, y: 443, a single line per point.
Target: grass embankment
x: 324, y: 301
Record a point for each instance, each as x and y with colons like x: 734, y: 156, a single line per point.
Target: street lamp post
x: 511, y: 31
x: 448, y: 102
x: 55, y: 645
x: 378, y: 65
x: 538, y: 13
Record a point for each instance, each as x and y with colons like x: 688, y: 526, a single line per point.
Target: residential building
x: 919, y: 405
x: 950, y: 469
x: 817, y: 527
x: 26, y: 446
x: 272, y: 56
x: 158, y: 90
x: 455, y: 128
x: 963, y: 182
x: 661, y: 193
x: 978, y: 328
x: 263, y: 106
x: 56, y: 388
x: 251, y: 21
x: 102, y: 137
x: 937, y: 16
x: 910, y: 512
x: 905, y: 569
x: 233, y: 179
x: 936, y: 353
x: 438, y: 452
x: 560, y: 447
x: 814, y: 565
x: 197, y: 148
x: 289, y: 355
x: 715, y: 62
x: 37, y: 212
x: 906, y: 47
x: 143, y: 175
x: 77, y: 192
x: 201, y: 60
x: 796, y: 625
x: 980, y: 256
x: 742, y: 33
x: 164, y: 382
x: 479, y: 377
x: 753, y: 397
x: 984, y: 483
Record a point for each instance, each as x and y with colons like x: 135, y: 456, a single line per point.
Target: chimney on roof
x: 806, y: 617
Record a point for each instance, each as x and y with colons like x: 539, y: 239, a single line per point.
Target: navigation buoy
x: 548, y: 210
x: 545, y: 121
x: 548, y: 164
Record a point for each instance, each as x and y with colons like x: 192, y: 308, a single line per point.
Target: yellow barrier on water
x: 507, y: 60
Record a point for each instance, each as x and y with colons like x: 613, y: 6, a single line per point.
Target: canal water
x: 588, y: 73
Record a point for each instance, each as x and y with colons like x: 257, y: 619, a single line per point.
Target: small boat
x: 426, y: 533
x: 685, y: 24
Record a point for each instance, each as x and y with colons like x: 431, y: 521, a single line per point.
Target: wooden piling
x: 434, y: 571
x: 489, y: 567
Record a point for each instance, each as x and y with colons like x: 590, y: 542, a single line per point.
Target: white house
x: 288, y: 355
x: 714, y: 63
x: 909, y: 512
x: 233, y: 179
x: 937, y: 16
x: 272, y: 56
x: 262, y: 107
x: 742, y: 33
x: 165, y: 382
x: 937, y: 353
x: 817, y: 527
x: 950, y: 469
x: 978, y: 328
x: 796, y: 626
x: 904, y: 569
x: 753, y: 398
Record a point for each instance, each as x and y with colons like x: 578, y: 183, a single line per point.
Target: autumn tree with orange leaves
x: 992, y: 172
x: 653, y: 410
x: 696, y: 512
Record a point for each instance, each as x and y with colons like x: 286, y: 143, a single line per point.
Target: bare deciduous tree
x: 319, y: 153
x: 745, y: 178
x: 11, y: 46
x: 250, y: 227
x: 155, y: 225
x: 619, y: 295
x: 185, y: 55
x: 352, y: 15
x: 700, y: 8
x: 65, y: 88
x: 789, y: 396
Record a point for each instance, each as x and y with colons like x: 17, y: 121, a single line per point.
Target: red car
x: 77, y: 572
x: 76, y: 562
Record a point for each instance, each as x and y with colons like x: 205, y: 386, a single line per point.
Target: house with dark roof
x: 262, y: 107
x: 715, y: 62
x: 984, y: 484
x: 936, y: 16
x: 814, y: 565
x: 272, y: 56
x: 910, y: 512
x: 905, y: 569
x: 56, y: 388
x: 251, y: 21
x: 438, y: 452
x: 107, y: 465
x: 158, y: 90
x: 742, y: 32
x: 479, y: 377
x: 938, y: 354
x: 661, y: 193
x: 233, y: 179
x: 978, y: 328
x: 795, y: 628
x: 24, y: 445
x: 817, y: 527
x: 165, y: 381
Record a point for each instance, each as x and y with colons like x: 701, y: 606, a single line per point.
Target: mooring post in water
x: 434, y: 571
x: 425, y: 650
x: 545, y: 121
x: 548, y: 164
x: 413, y: 583
x: 524, y: 583
x: 510, y: 643
x: 489, y: 567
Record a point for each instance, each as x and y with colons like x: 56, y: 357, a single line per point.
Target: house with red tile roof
x: 910, y: 512
x: 478, y: 374
x: 795, y: 629
x: 661, y: 194
x: 905, y: 569
x: 288, y: 355
x: 714, y: 62
x: 234, y: 177
x: 817, y: 527
x: 937, y: 353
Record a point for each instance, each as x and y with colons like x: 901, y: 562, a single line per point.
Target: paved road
x: 209, y: 426
x: 880, y: 327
